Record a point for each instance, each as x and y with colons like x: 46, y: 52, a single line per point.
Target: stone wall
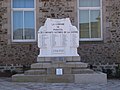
x: 13, y: 53
x: 26, y: 53
x: 103, y: 52
x: 108, y: 50
x: 56, y: 9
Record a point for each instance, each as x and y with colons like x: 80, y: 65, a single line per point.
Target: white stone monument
x: 58, y: 38
x: 58, y: 61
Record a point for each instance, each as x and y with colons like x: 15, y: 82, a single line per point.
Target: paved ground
x: 7, y: 84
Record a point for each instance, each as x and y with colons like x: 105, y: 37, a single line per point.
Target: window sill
x: 23, y: 41
x: 93, y: 39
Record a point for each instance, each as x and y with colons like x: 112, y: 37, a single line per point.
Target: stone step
x: 65, y: 78
x: 50, y: 65
x: 58, y: 59
x: 81, y: 71
x: 43, y: 78
x: 53, y: 71
x: 36, y: 72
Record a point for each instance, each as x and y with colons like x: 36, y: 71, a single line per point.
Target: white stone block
x: 58, y: 38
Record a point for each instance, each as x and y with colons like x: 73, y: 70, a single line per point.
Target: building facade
x: 97, y: 20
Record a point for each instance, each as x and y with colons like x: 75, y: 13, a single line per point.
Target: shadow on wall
x: 9, y: 70
x: 112, y: 70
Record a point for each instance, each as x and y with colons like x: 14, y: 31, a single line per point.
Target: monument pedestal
x: 60, y: 70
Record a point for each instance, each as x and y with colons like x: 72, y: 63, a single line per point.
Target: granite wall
x: 13, y: 53
x: 26, y: 53
x: 56, y: 9
x: 108, y: 50
x: 104, y: 52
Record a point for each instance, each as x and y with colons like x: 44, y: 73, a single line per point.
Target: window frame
x: 90, y: 8
x: 23, y: 9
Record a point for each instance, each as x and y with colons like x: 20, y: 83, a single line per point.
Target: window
x: 90, y: 17
x: 23, y: 21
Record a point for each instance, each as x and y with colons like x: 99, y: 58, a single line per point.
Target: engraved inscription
x: 58, y: 38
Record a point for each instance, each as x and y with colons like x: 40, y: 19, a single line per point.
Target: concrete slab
x: 97, y: 77
x: 43, y: 78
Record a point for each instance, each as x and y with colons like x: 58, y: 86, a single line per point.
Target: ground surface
x: 7, y: 84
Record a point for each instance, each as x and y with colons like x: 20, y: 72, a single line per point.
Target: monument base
x: 60, y: 70
x: 67, y: 78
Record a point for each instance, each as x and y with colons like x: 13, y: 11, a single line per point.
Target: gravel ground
x: 7, y: 84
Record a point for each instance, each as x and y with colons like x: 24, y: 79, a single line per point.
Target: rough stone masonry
x: 106, y: 51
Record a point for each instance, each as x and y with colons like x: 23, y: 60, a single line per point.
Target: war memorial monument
x: 58, y: 60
